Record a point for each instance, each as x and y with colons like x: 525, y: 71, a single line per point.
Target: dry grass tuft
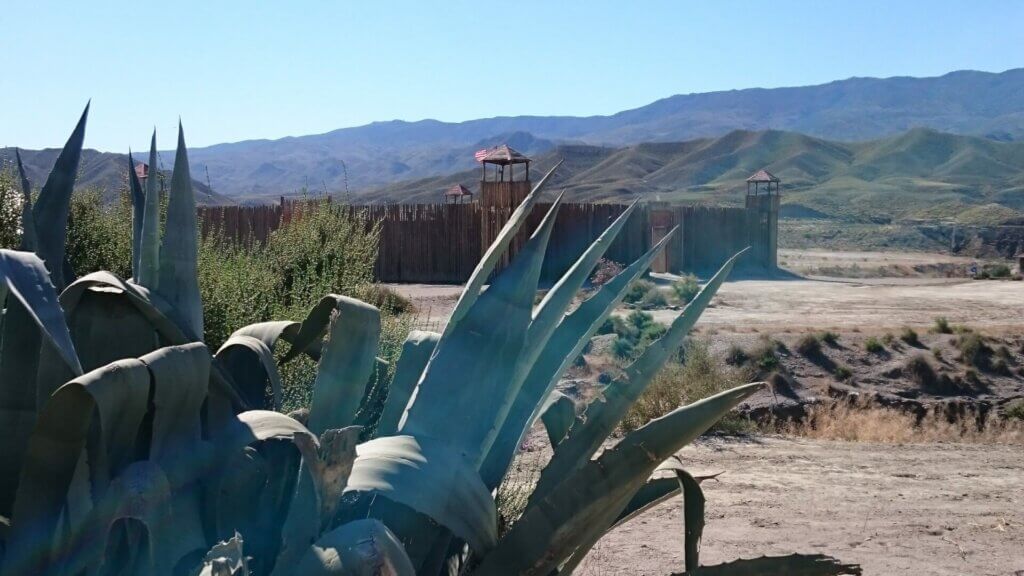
x: 852, y: 422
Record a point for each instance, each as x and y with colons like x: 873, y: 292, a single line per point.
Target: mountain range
x: 946, y: 141
x: 919, y: 174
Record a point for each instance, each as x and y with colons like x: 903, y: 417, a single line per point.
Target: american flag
x: 479, y: 155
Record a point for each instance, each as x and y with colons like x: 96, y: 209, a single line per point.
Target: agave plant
x: 131, y: 449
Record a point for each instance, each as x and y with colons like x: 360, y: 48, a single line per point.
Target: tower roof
x: 458, y: 190
x: 504, y: 155
x: 762, y: 176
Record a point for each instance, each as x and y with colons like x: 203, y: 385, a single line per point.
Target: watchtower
x: 763, y: 216
x: 501, y: 185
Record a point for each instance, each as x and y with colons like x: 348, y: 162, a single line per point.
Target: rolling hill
x: 104, y: 171
x: 857, y: 109
x: 919, y: 174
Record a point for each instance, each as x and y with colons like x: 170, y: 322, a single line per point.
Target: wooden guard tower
x: 501, y: 184
x: 763, y: 216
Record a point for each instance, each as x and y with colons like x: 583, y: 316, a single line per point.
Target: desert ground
x: 940, y: 508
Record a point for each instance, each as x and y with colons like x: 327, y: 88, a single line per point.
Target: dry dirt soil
x: 928, y: 509
x: 931, y: 509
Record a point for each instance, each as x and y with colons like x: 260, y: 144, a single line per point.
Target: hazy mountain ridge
x: 104, y: 171
x: 856, y: 109
x: 921, y: 173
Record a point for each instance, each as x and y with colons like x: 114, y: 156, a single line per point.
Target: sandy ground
x: 807, y: 261
x: 931, y: 509
x: 781, y: 305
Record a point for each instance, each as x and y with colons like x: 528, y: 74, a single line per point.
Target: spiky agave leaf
x: 565, y: 345
x: 28, y: 223
x: 579, y: 509
x: 252, y: 367
x: 178, y: 280
x: 50, y: 213
x: 494, y: 252
x: 416, y: 352
x: 358, y: 548
x: 465, y: 391
x: 558, y: 414
x: 33, y: 321
x: 138, y: 199
x: 147, y: 259
x: 604, y: 415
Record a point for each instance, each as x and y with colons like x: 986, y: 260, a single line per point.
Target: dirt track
x: 933, y: 509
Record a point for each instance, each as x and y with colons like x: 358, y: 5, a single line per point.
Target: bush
x: 634, y: 333
x: 830, y: 338
x: 686, y: 288
x: 909, y: 336
x: 873, y: 346
x: 10, y: 208
x: 937, y: 352
x: 99, y: 236
x: 973, y: 350
x: 1015, y: 409
x: 921, y: 372
x: 736, y: 356
x: 698, y: 376
x: 808, y: 345
x: 842, y: 373
x: 604, y: 271
x: 623, y: 348
x: 888, y: 339
x: 654, y: 298
x: 942, y: 326
x: 998, y: 271
x: 764, y: 355
x: 637, y: 290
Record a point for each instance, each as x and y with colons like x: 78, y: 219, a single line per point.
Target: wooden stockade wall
x: 442, y: 243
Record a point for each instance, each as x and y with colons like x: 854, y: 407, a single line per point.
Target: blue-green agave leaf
x: 359, y: 548
x: 138, y: 198
x: 573, y: 516
x: 416, y: 351
x: 28, y: 223
x: 604, y: 415
x: 53, y: 206
x: 464, y: 393
x: 346, y: 364
x: 494, y: 252
x: 147, y: 259
x: 564, y: 346
x: 253, y: 368
x: 558, y: 413
x: 429, y: 477
x: 179, y: 251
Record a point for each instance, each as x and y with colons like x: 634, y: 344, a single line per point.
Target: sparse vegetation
x: 974, y: 351
x: 808, y: 345
x: 633, y: 333
x: 909, y: 336
x: 604, y: 271
x: 920, y: 371
x: 873, y: 345
x: 831, y: 338
x: 842, y: 373
x: 686, y: 288
x: 942, y: 326
x: 637, y: 290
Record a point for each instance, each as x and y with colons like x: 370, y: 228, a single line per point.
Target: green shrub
x: 937, y: 352
x: 637, y: 290
x: 808, y: 345
x: 623, y: 348
x: 1015, y: 409
x: 942, y: 326
x: 842, y: 373
x: 888, y: 338
x: 99, y: 236
x: 920, y: 371
x: 10, y: 208
x: 830, y: 338
x: 764, y: 355
x: 973, y: 350
x: 654, y: 298
x: 909, y: 336
x: 998, y: 271
x: 736, y: 356
x: 873, y: 345
x: 686, y: 288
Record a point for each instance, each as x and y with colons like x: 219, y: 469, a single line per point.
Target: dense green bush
x: 873, y: 345
x: 909, y: 336
x: 100, y: 235
x: 634, y: 333
x: 10, y: 209
x: 686, y: 288
x: 637, y: 290
x: 942, y: 326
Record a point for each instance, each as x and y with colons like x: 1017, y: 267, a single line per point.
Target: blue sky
x: 267, y: 69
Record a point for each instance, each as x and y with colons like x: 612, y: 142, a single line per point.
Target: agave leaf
x: 270, y: 332
x: 28, y: 223
x: 346, y: 364
x: 494, y: 252
x: 429, y: 477
x: 138, y: 209
x: 147, y: 269
x: 464, y: 393
x: 308, y: 339
x: 564, y: 346
x: 360, y: 548
x: 416, y: 352
x: 603, y: 416
x: 119, y: 390
x: 179, y: 280
x: 558, y: 414
x: 252, y: 367
x: 226, y: 558
x: 32, y: 323
x: 581, y: 507
x: 51, y: 210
